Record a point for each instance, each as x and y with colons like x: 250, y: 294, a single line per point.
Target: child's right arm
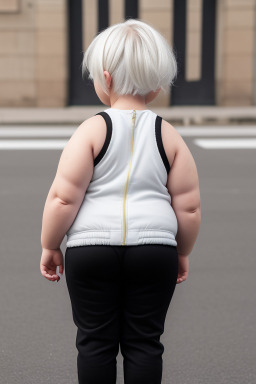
x: 183, y: 186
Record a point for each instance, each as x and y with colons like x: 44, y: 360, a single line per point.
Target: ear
x: 108, y: 79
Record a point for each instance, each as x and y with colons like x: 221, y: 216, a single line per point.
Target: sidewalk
x: 184, y: 115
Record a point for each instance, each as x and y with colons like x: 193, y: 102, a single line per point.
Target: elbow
x: 194, y: 207
x: 195, y: 210
x: 61, y: 202
x: 59, y: 198
x: 192, y: 217
x: 194, y: 214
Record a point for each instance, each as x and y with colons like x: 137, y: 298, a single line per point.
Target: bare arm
x: 183, y: 186
x: 72, y: 178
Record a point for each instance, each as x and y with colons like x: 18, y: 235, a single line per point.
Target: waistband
x: 114, y: 237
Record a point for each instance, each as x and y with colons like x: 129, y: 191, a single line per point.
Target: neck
x: 128, y: 102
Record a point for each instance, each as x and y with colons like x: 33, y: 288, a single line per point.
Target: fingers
x: 61, y: 269
x: 50, y: 260
x: 182, y: 278
x: 49, y: 277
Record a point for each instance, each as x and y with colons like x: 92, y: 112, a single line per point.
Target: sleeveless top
x: 127, y: 201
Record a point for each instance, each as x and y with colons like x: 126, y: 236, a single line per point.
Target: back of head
x: 138, y: 58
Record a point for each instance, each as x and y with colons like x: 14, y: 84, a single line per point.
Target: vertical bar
x: 103, y: 15
x: 131, y: 9
x: 172, y: 21
x: 179, y: 42
x: 75, y: 50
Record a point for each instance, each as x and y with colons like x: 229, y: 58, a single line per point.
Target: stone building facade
x: 41, y: 45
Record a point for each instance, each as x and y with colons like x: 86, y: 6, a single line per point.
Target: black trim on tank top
x: 103, y: 150
x: 160, y: 145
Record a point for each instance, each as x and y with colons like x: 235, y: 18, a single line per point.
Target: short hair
x: 138, y: 58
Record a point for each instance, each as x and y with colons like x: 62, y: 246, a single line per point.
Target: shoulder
x: 172, y: 140
x: 182, y: 152
x: 91, y: 124
x: 93, y: 131
x: 170, y: 133
x: 90, y: 128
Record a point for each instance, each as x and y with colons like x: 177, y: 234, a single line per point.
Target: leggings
x: 120, y: 295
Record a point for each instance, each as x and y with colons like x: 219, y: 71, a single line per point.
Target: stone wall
x: 51, y: 60
x: 34, y: 48
x: 33, y: 53
x: 235, y: 75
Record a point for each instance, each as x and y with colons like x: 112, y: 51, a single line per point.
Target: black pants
x: 120, y: 294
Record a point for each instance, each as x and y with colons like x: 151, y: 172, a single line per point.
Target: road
x: 209, y: 333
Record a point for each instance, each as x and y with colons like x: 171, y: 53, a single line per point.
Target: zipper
x: 127, y: 180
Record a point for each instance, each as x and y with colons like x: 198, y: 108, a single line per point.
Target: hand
x: 183, y: 268
x: 50, y: 259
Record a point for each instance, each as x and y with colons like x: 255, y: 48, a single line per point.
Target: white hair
x: 138, y: 58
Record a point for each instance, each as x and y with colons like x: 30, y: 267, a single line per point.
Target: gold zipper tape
x: 127, y: 180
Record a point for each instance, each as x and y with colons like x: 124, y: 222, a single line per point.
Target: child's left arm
x: 65, y: 196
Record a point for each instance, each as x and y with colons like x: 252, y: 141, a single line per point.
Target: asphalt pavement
x: 210, y: 331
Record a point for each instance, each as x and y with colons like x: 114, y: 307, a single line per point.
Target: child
x: 126, y: 194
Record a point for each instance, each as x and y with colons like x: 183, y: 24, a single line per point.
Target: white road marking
x: 242, y: 134
x: 67, y: 131
x: 225, y: 143
x: 32, y: 144
x: 16, y: 131
x: 217, y: 131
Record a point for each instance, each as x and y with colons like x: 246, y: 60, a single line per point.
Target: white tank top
x: 127, y: 201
